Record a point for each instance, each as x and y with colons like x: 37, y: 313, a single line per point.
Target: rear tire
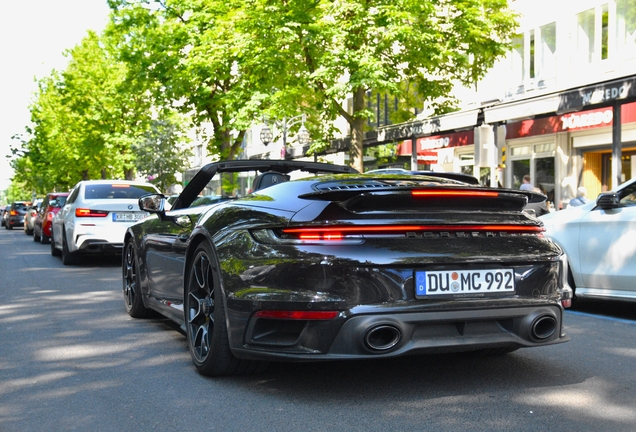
x: 54, y: 251
x: 206, y: 328
x: 68, y: 258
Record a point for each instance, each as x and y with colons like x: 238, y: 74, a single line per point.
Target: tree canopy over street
x: 231, y: 63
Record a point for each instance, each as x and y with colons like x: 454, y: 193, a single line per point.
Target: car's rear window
x: 57, y: 201
x: 116, y: 191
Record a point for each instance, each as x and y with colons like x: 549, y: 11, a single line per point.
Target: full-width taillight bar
x: 338, y: 232
x: 454, y: 193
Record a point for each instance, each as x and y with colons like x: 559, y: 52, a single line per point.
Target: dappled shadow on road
x: 445, y: 391
x: 71, y: 357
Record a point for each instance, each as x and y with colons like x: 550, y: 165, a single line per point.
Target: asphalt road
x: 72, y: 359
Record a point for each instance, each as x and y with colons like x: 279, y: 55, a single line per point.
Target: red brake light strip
x: 337, y: 233
x: 454, y: 193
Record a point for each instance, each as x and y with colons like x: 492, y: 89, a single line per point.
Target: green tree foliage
x: 332, y: 51
x: 161, y: 153
x: 18, y: 191
x: 84, y: 121
x: 185, y: 54
x: 224, y: 60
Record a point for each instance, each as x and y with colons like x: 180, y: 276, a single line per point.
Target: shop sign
x: 429, y: 157
x: 623, y: 88
x: 433, y: 143
x: 589, y: 119
x: 604, y: 94
x: 423, y: 144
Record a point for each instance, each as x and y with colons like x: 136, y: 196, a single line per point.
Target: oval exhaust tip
x: 382, y: 337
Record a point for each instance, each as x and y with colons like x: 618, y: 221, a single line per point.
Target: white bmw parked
x: 599, y: 239
x: 96, y: 216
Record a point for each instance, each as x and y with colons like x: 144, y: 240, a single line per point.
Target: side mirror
x: 153, y: 203
x: 608, y: 200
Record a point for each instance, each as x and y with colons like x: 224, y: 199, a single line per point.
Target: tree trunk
x: 129, y: 174
x: 357, y: 131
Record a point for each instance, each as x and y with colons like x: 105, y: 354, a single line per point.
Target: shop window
x: 522, y: 150
x: 544, y: 176
x: 541, y: 148
x: 520, y: 168
x: 628, y: 162
x: 537, y: 161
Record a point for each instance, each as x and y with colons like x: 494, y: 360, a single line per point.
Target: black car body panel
x: 348, y: 256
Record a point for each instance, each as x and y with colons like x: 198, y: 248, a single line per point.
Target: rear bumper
x: 99, y: 246
x: 15, y: 221
x: 391, y: 335
x: 98, y: 239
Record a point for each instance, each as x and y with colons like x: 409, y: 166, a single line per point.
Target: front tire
x: 132, y: 286
x: 206, y: 328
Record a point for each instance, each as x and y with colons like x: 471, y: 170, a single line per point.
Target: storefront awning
x: 521, y: 109
x: 431, y: 126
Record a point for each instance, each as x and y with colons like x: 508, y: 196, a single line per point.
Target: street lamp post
x: 302, y: 136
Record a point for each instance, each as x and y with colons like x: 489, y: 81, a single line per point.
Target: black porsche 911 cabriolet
x: 342, y: 265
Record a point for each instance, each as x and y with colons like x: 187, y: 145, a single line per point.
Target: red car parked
x: 52, y: 204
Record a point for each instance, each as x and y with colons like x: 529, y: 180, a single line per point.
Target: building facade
x: 560, y: 107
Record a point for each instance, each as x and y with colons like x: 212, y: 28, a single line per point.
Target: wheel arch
x: 143, y: 271
x: 196, y: 239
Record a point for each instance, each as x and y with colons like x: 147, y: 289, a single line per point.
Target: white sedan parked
x: 96, y: 216
x: 599, y: 239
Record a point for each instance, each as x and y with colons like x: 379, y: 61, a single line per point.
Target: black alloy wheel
x: 206, y: 328
x: 131, y: 283
x: 37, y: 237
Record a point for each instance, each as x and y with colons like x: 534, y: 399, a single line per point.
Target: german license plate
x: 128, y: 217
x: 459, y: 283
